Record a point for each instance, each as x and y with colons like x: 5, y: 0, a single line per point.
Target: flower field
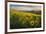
x: 21, y: 19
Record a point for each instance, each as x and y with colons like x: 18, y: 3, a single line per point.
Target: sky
x: 25, y: 7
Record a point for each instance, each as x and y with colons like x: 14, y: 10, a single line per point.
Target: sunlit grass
x: 24, y: 20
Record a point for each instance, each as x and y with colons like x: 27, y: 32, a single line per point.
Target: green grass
x: 24, y: 20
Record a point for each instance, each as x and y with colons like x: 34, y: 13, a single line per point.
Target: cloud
x: 25, y: 7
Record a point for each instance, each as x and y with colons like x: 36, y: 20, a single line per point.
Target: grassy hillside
x: 21, y: 19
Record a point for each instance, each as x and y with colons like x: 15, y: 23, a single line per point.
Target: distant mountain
x: 33, y: 11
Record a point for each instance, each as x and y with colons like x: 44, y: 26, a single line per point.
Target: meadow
x: 24, y: 19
